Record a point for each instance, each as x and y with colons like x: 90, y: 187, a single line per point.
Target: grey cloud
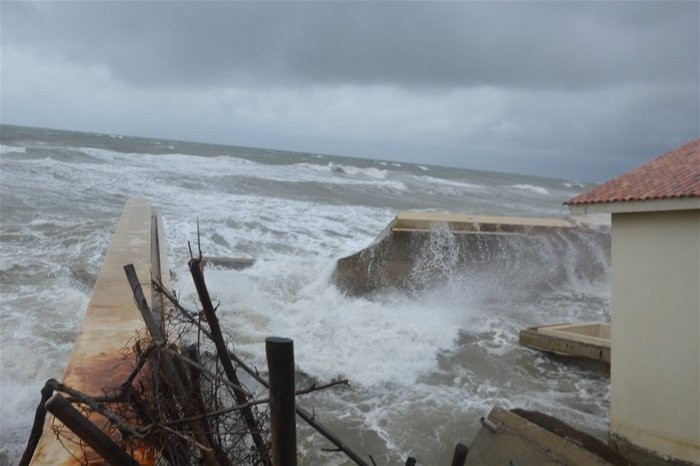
x: 577, y: 89
x: 536, y: 45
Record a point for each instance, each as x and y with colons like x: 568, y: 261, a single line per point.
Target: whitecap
x: 451, y: 183
x: 531, y: 188
x: 4, y: 149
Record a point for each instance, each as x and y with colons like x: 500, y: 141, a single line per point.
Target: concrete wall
x: 421, y: 249
x: 655, y: 368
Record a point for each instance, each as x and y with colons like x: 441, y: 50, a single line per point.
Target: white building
x: 655, y: 308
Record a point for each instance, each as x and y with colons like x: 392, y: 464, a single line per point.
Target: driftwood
x: 187, y: 405
x: 309, y: 418
x: 37, y: 428
x: 225, y: 358
x: 172, y: 376
x: 86, y: 430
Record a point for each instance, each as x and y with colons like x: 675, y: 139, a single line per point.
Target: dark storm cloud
x: 582, y: 90
x: 572, y: 45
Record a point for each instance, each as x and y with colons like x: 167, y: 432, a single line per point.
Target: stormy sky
x: 578, y: 90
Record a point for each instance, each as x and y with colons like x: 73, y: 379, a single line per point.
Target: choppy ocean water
x: 422, y: 368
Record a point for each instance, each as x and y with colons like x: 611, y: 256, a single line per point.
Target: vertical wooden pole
x: 301, y: 412
x: 225, y: 358
x: 172, y: 377
x: 460, y: 455
x: 198, y: 401
x: 280, y: 363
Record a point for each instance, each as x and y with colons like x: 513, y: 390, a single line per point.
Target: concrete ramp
x: 527, y: 438
x: 111, y: 320
x: 418, y: 249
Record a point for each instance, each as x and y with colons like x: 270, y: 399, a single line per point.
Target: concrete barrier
x: 110, y: 321
x: 587, y: 344
x: 418, y: 249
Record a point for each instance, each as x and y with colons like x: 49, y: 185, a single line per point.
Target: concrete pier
x: 418, y: 249
x: 111, y: 320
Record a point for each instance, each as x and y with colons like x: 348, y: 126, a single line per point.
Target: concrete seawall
x: 418, y: 249
x: 111, y: 320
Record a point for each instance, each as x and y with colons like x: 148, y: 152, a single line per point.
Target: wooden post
x: 198, y: 400
x: 460, y: 456
x: 141, y: 303
x: 308, y: 417
x: 301, y: 412
x: 172, y: 377
x: 87, y: 431
x: 225, y: 357
x: 280, y: 363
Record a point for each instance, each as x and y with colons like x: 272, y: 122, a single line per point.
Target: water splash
x: 437, y: 258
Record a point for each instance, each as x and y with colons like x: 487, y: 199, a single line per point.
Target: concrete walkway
x: 111, y: 321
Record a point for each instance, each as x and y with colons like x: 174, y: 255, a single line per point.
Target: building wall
x: 655, y: 367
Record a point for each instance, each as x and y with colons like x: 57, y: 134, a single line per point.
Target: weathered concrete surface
x: 597, y: 333
x: 422, y: 221
x: 517, y: 441
x: 111, y: 320
x: 586, y: 344
x: 230, y: 263
x: 644, y: 457
x: 420, y: 248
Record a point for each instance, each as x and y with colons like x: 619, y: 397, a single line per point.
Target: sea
x: 422, y: 366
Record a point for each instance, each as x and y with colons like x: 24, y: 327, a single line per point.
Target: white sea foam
x: 431, y: 180
x: 422, y: 367
x: 49, y: 335
x: 4, y: 149
x: 102, y: 154
x: 230, y: 166
x: 335, y: 336
x: 342, y: 169
x: 531, y: 188
x: 370, y: 172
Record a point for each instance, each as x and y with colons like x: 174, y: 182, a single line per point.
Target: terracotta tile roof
x: 673, y: 175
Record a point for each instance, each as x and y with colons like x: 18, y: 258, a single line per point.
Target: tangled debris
x: 183, y: 402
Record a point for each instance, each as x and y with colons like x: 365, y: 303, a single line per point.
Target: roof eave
x: 655, y: 205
